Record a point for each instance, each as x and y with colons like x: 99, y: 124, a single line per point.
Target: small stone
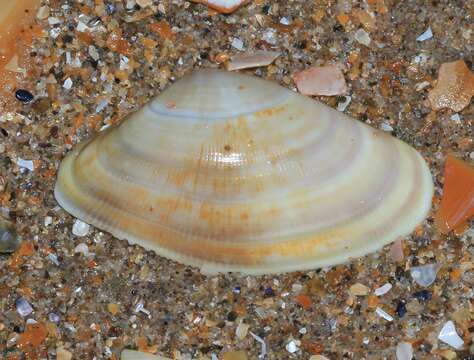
x: 342, y: 105
x: 414, y: 307
x: 241, y: 330
x: 449, y: 336
x: 318, y: 357
x: 383, y: 289
x: 139, y: 355
x: 428, y: 34
x: 362, y: 37
x: 144, y: 3
x: 23, y: 307
x: 80, y: 228
x: 235, y: 355
x: 323, y: 80
x: 251, y: 60
x: 42, y: 13
x: 24, y: 95
x: 63, y: 354
x: 454, y: 88
x: 401, y: 309
x: 359, y: 289
x: 404, y: 351
x: 423, y: 295
x: 425, y: 275
x: 386, y: 127
x: 9, y: 240
x: 26, y: 164
x: 113, y: 308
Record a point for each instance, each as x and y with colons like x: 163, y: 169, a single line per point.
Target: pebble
x: 318, y: 357
x: 449, y: 336
x: 235, y: 355
x: 241, y: 330
x: 23, y: 307
x: 63, y: 354
x: 24, y: 95
x: 254, y: 59
x: 362, y: 37
x: 423, y: 295
x: 139, y: 355
x: 404, y: 351
x: 359, y: 289
x: 401, y: 309
x: 9, y: 240
x: 383, y: 289
x: 342, y: 105
x: 67, y: 84
x: 454, y: 88
x: 425, y: 275
x: 42, y: 13
x: 80, y: 228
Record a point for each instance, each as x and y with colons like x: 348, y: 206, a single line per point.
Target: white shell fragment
x: 223, y: 6
x: 229, y: 172
x: 80, y: 228
x: 138, y: 355
x: 425, y: 275
x: 449, y: 336
x: 251, y: 60
x: 383, y: 289
x: 383, y: 314
x: 404, y: 351
x: 428, y: 34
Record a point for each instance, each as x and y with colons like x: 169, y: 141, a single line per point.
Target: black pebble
x: 269, y: 292
x: 231, y: 316
x: 24, y: 95
x: 423, y: 295
x: 401, y: 309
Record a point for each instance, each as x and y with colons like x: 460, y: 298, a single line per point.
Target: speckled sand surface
x: 94, y: 295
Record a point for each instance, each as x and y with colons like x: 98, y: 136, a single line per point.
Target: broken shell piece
x: 457, y: 203
x: 138, y: 355
x: 404, y: 351
x: 223, y: 6
x: 258, y: 58
x: 454, y: 88
x: 425, y: 275
x: 244, y: 175
x: 324, y: 80
x: 449, y: 336
x: 396, y: 251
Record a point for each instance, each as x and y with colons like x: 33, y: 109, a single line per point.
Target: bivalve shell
x: 229, y: 172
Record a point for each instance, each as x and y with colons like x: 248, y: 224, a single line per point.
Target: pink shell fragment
x: 396, y: 251
x: 324, y: 80
x: 454, y: 88
x: 258, y: 58
x: 222, y: 6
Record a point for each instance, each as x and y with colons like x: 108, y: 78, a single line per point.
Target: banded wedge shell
x: 229, y: 172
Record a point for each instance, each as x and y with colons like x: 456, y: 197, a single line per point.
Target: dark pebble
x: 232, y: 316
x: 269, y: 292
x: 423, y: 295
x: 9, y: 240
x: 24, y: 95
x: 401, y: 309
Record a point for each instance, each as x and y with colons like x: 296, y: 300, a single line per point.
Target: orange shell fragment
x: 455, y: 87
x: 457, y: 203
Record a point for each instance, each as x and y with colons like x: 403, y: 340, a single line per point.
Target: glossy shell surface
x: 229, y: 172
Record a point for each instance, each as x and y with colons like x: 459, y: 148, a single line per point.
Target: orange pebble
x: 304, y: 301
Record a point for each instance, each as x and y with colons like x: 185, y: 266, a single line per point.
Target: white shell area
x: 229, y: 172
